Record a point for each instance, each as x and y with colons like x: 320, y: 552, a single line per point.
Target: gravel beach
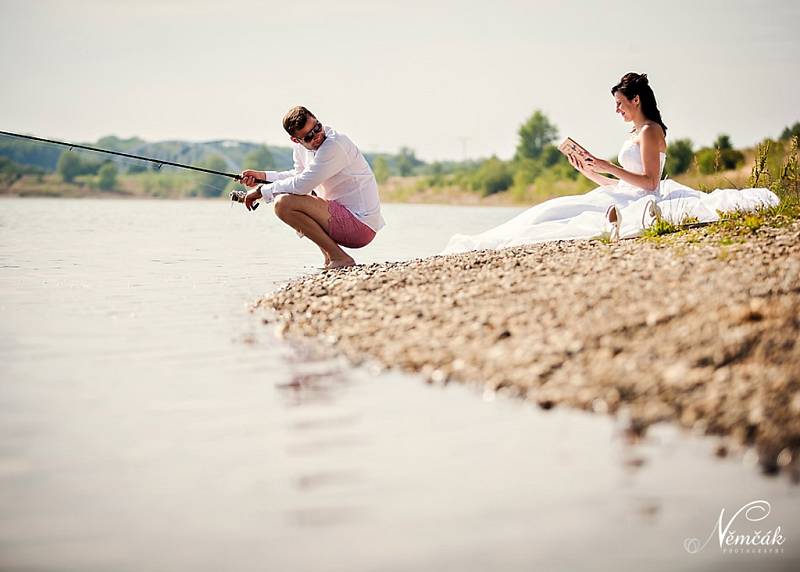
x: 698, y: 328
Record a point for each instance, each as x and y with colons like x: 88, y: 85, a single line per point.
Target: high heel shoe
x: 653, y: 211
x: 614, y: 217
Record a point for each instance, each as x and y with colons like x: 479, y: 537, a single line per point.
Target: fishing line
x: 157, y: 162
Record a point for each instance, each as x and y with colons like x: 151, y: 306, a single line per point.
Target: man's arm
x: 298, y: 168
x: 329, y: 160
x: 249, y: 176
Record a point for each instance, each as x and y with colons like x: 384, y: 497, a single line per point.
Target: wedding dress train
x: 583, y: 216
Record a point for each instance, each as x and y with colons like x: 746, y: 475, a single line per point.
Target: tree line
x: 536, y: 161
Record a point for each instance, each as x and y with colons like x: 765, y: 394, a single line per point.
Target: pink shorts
x: 345, y: 229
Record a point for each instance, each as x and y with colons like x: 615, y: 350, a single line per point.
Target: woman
x: 624, y: 205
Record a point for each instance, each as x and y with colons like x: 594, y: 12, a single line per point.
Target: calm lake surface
x: 149, y: 421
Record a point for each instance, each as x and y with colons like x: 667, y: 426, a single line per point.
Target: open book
x: 570, y: 147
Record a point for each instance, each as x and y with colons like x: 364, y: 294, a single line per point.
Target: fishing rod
x: 235, y: 195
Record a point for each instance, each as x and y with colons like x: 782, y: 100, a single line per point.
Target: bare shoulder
x: 652, y: 134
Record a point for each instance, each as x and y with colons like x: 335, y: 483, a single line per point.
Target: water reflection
x: 150, y: 422
x: 317, y: 432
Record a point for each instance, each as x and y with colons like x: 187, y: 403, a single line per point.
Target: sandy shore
x: 696, y: 328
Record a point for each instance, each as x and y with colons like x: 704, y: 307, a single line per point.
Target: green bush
x: 563, y: 170
x: 9, y: 167
x: 69, y: 166
x: 30, y: 153
x: 775, y: 157
x: 551, y: 156
x: 165, y: 183
x: 789, y: 132
x: 493, y: 176
x: 210, y: 185
x: 407, y: 161
x: 731, y: 159
x: 775, y: 162
x: 712, y: 160
x: 107, y: 177
x: 679, y: 156
x: 723, y: 142
x: 534, y: 135
x: 526, y: 172
x: 381, y: 170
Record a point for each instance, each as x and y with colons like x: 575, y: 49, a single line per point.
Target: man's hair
x: 296, y: 119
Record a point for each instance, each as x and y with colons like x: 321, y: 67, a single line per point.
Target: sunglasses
x: 312, y: 132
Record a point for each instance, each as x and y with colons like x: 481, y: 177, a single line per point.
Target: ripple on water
x: 152, y: 422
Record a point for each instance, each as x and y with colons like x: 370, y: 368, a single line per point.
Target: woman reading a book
x: 627, y: 201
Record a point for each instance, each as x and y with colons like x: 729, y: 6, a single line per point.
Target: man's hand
x: 249, y: 176
x: 251, y: 198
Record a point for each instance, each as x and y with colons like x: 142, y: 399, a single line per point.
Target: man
x: 346, y: 210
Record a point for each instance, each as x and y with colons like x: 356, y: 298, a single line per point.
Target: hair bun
x: 643, y: 79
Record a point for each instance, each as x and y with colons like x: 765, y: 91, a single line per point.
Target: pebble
x: 659, y: 330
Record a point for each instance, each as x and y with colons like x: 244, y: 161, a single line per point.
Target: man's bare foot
x: 340, y: 263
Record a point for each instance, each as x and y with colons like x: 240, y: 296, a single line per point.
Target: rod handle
x: 258, y: 181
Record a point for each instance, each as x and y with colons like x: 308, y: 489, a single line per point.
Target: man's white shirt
x: 338, y: 172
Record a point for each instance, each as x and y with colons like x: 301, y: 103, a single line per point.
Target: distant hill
x: 232, y: 152
x: 30, y: 153
x: 45, y: 156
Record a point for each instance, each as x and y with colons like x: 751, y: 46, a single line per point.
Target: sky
x: 449, y: 79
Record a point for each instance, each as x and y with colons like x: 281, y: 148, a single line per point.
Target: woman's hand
x: 576, y: 162
x: 581, y: 163
x: 596, y: 165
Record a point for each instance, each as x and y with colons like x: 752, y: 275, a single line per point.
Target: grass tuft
x: 604, y: 238
x: 760, y: 171
x: 660, y: 228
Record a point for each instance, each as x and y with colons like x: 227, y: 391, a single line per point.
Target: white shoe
x: 651, y: 211
x: 614, y: 217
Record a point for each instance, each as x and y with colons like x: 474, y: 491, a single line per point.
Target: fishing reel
x: 238, y: 197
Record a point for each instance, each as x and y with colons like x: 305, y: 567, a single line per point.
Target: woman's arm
x: 651, y: 160
x: 581, y: 167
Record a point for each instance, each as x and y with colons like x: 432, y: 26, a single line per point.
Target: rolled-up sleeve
x: 329, y: 160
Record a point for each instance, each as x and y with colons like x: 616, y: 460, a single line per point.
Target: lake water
x: 150, y: 422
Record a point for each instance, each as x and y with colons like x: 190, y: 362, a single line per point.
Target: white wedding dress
x: 583, y: 216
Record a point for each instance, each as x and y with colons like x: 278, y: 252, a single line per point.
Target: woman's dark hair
x: 633, y: 84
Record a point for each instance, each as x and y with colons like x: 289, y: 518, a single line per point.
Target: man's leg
x: 309, y: 215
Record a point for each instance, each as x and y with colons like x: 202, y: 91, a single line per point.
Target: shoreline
x: 463, y: 199
x: 696, y: 328
x: 396, y: 191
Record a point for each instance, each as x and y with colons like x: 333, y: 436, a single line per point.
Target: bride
x: 624, y: 205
